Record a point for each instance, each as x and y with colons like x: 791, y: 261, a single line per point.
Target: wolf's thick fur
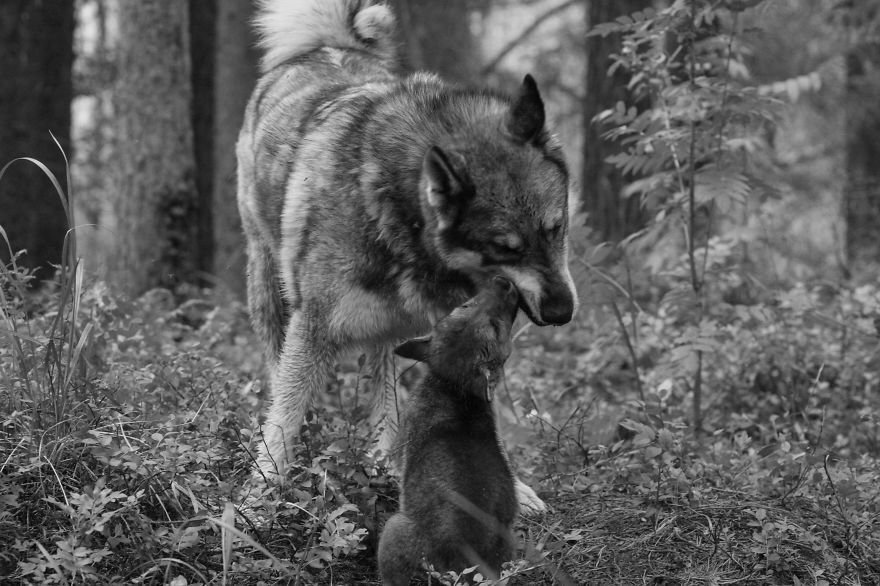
x: 458, y: 502
x: 373, y: 204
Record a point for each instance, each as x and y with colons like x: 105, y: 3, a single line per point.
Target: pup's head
x: 468, y: 347
x: 496, y: 196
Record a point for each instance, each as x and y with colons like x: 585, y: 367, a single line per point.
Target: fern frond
x: 721, y: 187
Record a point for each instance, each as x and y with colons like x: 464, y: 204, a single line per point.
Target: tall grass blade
x: 74, y: 360
x: 48, y: 173
x: 68, y: 208
x: 226, y: 537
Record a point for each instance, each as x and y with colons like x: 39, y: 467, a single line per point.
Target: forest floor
x: 126, y: 455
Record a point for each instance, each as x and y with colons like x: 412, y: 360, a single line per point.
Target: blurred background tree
x: 153, y: 168
x: 36, y: 60
x: 234, y: 77
x: 612, y: 215
x: 861, y: 23
x: 439, y: 36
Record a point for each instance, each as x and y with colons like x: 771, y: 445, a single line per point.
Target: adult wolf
x: 373, y: 204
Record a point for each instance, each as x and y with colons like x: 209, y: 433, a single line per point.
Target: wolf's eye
x: 506, y: 247
x: 554, y: 231
x: 503, y: 253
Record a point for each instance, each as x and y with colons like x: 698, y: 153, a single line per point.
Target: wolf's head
x: 497, y: 193
x: 468, y: 347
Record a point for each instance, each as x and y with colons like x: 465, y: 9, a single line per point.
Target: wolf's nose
x: 557, y: 310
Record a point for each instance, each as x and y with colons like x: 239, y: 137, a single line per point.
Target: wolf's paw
x: 267, y: 472
x: 529, y: 502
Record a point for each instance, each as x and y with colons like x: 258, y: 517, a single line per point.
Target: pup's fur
x: 374, y: 204
x: 458, y: 502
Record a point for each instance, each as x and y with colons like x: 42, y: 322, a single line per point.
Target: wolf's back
x: 289, y: 28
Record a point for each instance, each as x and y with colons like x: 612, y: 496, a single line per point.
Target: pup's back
x: 458, y: 502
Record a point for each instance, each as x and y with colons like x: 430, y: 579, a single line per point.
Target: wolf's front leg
x: 529, y: 501
x: 386, y: 403
x: 302, y: 369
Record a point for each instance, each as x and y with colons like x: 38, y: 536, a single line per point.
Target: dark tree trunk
x: 36, y: 58
x: 862, y: 191
x: 153, y: 166
x: 236, y: 74
x: 609, y: 213
x: 203, y: 37
x: 436, y: 36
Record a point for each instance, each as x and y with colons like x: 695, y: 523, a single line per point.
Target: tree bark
x: 153, y: 166
x: 203, y: 40
x: 609, y: 213
x: 36, y: 58
x: 862, y: 191
x: 437, y: 37
x: 236, y: 74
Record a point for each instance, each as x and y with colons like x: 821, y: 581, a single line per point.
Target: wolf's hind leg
x: 302, y: 370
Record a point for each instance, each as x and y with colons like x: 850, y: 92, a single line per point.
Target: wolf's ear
x: 415, y: 349
x: 445, y: 191
x: 525, y: 121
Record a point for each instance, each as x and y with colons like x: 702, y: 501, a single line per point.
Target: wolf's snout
x: 557, y: 310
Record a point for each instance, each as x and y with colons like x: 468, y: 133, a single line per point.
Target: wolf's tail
x: 288, y: 28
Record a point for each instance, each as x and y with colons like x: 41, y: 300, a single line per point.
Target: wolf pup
x: 458, y: 501
x: 373, y: 204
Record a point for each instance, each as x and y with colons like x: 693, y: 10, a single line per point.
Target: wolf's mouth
x: 534, y: 316
x: 547, y: 311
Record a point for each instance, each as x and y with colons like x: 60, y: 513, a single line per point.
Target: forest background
x: 710, y: 417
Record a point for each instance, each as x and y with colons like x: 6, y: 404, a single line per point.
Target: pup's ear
x: 415, y: 349
x: 445, y: 191
x: 525, y: 120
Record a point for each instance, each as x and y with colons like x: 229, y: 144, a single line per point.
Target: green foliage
x: 692, y: 154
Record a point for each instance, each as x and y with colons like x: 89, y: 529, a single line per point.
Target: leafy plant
x: 691, y: 154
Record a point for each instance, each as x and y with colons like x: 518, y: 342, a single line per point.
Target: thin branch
x: 632, y: 351
x: 696, y: 283
x: 493, y: 63
x: 692, y: 167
